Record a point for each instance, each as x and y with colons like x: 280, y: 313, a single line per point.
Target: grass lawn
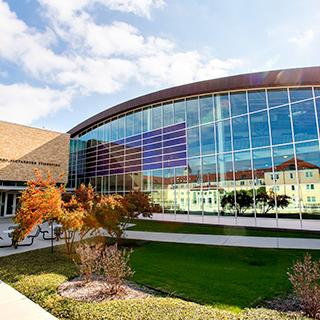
x: 182, y: 227
x: 222, y: 279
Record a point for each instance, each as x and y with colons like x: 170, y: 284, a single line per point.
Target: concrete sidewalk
x: 14, y: 305
x: 221, y: 240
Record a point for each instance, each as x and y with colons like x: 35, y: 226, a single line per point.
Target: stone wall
x: 22, y: 149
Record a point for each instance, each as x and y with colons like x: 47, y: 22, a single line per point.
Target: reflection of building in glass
x: 190, y: 145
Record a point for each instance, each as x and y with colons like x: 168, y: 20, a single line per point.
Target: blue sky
x: 62, y: 61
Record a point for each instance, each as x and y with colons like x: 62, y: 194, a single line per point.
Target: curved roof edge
x: 275, y: 78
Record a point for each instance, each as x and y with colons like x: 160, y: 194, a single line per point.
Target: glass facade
x: 189, y: 153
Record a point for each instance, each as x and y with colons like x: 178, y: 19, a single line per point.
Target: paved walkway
x: 282, y: 223
x: 221, y: 240
x: 14, y: 305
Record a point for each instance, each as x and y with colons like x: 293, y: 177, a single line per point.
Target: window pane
x: 207, y: 139
x: 181, y: 190
x: 121, y: 127
x: 192, y: 112
x: 129, y: 124
x: 240, y: 133
x: 156, y: 117
x: 317, y: 91
x: 238, y: 103
x: 304, y: 121
x: 114, y: 129
x: 146, y: 119
x: 193, y: 142
x: 195, y: 192
x: 137, y: 122
x: 280, y: 125
x: 206, y: 109
x: 107, y: 132
x: 259, y: 129
x: 223, y: 135
x: 168, y: 114
x: 179, y: 111
x: 277, y: 97
x: 300, y: 94
x: 168, y: 191
x: 318, y: 111
x: 308, y: 160
x: 221, y: 103
x: 257, y: 100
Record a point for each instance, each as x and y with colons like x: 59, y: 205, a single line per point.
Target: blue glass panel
x: 238, y: 101
x: 221, y: 105
x: 193, y: 142
x: 146, y: 120
x: 174, y: 142
x: 137, y: 116
x: 223, y: 135
x: 172, y: 156
x: 121, y: 127
x: 257, y: 100
x: 152, y: 140
x: 152, y: 133
x: 304, y: 121
x: 280, y: 125
x: 283, y: 158
x: 156, y: 117
x: 152, y: 146
x: 179, y: 111
x: 308, y: 157
x: 298, y: 94
x: 177, y: 148
x: 134, y: 138
x: 259, y: 129
x: 152, y: 159
x: 318, y: 110
x: 168, y: 114
x: 174, y: 127
x: 177, y: 163
x: 277, y: 97
x: 206, y: 109
x: 207, y: 139
x: 176, y: 134
x: 114, y: 129
x: 152, y: 153
x: 134, y: 144
x: 152, y: 166
x: 317, y: 91
x: 192, y: 112
x: 129, y: 124
x: 240, y: 133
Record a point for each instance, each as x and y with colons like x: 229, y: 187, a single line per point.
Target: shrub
x: 115, y: 267
x: 305, y: 277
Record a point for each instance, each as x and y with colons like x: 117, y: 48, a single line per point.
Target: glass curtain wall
x: 228, y: 154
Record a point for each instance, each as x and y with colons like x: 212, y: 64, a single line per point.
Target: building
x: 188, y: 146
x: 22, y: 149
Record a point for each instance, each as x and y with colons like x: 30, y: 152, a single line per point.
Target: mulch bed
x: 96, y: 290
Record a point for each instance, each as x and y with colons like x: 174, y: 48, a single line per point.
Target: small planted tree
x: 305, y: 279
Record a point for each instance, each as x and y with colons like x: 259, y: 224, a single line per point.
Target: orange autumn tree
x: 40, y: 201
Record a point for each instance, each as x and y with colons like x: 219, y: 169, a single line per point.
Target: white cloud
x: 22, y: 103
x: 304, y: 38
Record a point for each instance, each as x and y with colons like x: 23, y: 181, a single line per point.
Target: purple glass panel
x: 134, y: 144
x: 180, y: 147
x: 172, y: 135
x: 152, y: 140
x: 90, y: 174
x: 116, y: 165
x: 104, y: 167
x: 103, y: 172
x: 174, y: 142
x: 152, y: 146
x: 152, y: 159
x: 177, y: 163
x: 116, y: 171
x: 133, y: 169
x: 180, y: 155
x: 133, y: 156
x: 119, y: 142
x: 103, y: 158
x: 133, y: 138
x: 175, y: 127
x: 152, y: 153
x: 152, y: 166
x: 133, y: 163
x: 152, y: 133
x: 91, y: 165
x: 133, y: 150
